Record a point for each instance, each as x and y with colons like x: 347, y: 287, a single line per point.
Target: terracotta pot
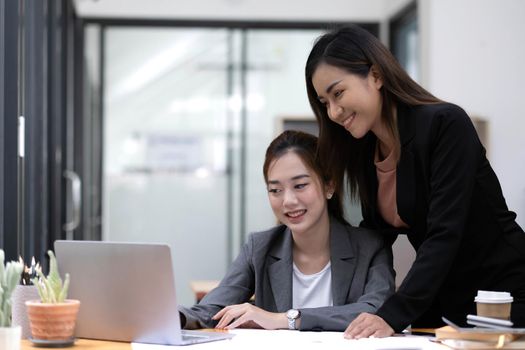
x: 52, y: 321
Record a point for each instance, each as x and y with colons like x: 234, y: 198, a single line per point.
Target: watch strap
x: 292, y: 315
x: 291, y: 323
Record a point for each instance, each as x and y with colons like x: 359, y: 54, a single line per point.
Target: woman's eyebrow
x: 300, y: 176
x: 330, y: 87
x: 297, y: 177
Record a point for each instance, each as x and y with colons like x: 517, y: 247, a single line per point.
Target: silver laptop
x: 126, y: 292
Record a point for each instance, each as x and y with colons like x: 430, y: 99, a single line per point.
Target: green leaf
x: 53, y: 279
x: 9, y: 278
x: 51, y: 288
x: 63, y: 292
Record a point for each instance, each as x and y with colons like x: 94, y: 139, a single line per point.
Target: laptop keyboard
x: 191, y: 337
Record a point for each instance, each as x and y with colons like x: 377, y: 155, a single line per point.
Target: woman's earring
x: 329, y: 195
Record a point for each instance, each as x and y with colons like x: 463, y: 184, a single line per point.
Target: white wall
x: 473, y: 55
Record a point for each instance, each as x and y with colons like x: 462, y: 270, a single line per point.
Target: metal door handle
x: 76, y: 199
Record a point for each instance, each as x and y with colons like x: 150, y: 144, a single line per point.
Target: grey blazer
x: 362, y: 278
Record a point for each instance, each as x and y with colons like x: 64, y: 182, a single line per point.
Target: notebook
x: 126, y: 292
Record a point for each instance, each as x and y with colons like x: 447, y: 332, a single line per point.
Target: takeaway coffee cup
x: 493, y: 304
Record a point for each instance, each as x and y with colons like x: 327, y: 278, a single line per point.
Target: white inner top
x: 312, y: 290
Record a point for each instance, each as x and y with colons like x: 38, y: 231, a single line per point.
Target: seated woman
x: 313, y: 272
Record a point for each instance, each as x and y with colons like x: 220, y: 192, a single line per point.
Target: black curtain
x: 9, y: 112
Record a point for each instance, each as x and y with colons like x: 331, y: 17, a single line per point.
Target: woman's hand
x: 367, y: 325
x: 248, y: 315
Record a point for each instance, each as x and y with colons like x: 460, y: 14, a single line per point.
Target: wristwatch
x: 292, y: 315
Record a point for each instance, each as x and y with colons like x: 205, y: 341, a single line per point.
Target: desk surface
x: 85, y: 344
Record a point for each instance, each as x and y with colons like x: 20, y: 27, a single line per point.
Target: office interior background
x: 147, y: 121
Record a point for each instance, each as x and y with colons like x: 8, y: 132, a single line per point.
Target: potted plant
x: 53, y: 317
x: 9, y: 277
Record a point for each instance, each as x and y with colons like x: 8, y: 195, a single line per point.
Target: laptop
x: 126, y: 292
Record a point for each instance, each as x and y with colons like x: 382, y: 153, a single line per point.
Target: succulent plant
x: 50, y: 288
x: 9, y: 277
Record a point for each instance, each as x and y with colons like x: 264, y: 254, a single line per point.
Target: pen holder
x: 21, y: 294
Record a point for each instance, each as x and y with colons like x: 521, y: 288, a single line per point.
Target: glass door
x: 167, y: 129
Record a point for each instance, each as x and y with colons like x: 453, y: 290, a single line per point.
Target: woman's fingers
x: 227, y: 317
x: 219, y: 314
x: 239, y: 321
x: 367, y: 325
x: 355, y: 327
x: 223, y: 322
x: 247, y: 315
x: 228, y: 314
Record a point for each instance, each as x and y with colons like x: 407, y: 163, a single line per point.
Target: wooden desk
x: 424, y: 330
x: 85, y: 344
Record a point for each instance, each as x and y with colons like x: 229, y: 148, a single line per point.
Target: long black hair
x: 356, y: 50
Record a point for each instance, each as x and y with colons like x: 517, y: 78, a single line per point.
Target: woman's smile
x: 347, y: 123
x: 296, y: 213
x: 296, y: 216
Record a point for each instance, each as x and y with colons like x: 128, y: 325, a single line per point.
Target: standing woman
x: 312, y: 272
x: 418, y: 168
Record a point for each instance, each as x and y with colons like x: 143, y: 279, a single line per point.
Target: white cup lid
x: 490, y: 297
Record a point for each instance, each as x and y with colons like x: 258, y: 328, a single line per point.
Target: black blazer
x: 465, y: 237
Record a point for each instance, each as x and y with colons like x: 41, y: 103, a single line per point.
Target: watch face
x: 292, y: 313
